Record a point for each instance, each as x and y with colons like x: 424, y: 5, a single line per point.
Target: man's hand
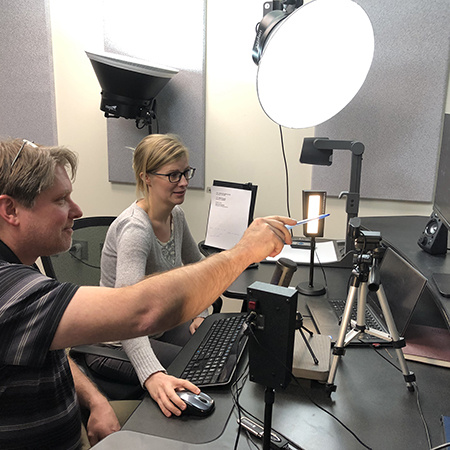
x: 102, y: 422
x: 266, y: 237
x: 102, y: 418
x: 162, y: 388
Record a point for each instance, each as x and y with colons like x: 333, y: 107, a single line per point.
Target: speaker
x: 434, y: 237
x: 271, y: 341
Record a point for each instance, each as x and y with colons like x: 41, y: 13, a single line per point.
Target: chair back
x: 81, y: 264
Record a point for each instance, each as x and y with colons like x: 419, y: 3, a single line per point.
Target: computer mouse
x: 197, y: 404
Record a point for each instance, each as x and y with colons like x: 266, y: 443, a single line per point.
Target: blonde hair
x: 34, y: 169
x: 153, y: 152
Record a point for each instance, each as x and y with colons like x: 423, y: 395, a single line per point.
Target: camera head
x: 364, y: 240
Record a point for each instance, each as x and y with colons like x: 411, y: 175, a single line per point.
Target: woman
x: 151, y: 236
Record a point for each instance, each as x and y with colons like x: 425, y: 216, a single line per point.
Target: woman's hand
x: 195, y: 324
x: 162, y: 388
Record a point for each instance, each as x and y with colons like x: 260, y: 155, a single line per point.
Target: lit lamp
x: 319, y: 151
x: 312, y: 60
x: 313, y: 206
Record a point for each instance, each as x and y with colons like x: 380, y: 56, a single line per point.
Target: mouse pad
x: 149, y: 419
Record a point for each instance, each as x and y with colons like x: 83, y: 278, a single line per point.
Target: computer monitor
x: 441, y: 201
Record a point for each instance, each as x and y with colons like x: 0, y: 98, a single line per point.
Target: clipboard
x: 230, y: 213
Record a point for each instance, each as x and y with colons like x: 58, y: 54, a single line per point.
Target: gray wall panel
x: 398, y: 113
x: 168, y: 35
x: 27, y: 106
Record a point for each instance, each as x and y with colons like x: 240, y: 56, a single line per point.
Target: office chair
x: 81, y: 265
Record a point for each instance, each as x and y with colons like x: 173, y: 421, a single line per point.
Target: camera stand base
x: 306, y: 288
x: 303, y: 365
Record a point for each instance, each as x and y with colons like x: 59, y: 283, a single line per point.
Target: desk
x: 402, y: 234
x: 371, y: 397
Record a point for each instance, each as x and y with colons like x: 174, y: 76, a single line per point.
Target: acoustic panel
x: 27, y: 107
x: 165, y: 36
x: 398, y: 112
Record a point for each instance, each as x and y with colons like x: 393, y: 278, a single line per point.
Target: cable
x: 83, y: 262
x: 439, y: 447
x: 307, y: 396
x: 419, y: 406
x: 235, y: 393
x: 240, y: 408
x: 325, y: 281
x: 422, y: 417
x: 286, y: 171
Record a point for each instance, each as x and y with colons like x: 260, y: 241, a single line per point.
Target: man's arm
x: 163, y: 301
x: 102, y: 419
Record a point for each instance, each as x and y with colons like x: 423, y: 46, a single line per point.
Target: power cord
x: 71, y: 253
x: 240, y: 408
x: 307, y: 395
x: 286, y: 171
x: 419, y: 406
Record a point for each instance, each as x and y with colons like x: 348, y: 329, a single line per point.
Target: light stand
x: 319, y: 151
x: 313, y: 206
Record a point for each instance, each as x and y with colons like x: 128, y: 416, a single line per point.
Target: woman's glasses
x: 25, y: 142
x: 175, y: 177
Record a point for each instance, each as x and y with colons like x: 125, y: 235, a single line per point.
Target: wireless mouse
x: 197, y: 404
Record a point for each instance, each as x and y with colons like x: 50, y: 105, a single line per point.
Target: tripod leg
x: 361, y: 308
x: 397, y: 342
x: 338, y: 349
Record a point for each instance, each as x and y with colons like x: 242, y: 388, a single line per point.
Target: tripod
x: 366, y: 276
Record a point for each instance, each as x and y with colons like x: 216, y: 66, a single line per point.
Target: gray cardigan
x: 130, y: 252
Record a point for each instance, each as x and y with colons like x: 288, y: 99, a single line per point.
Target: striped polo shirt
x: 38, y: 404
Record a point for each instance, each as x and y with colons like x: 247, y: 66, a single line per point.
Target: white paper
x: 228, y: 216
x: 325, y: 253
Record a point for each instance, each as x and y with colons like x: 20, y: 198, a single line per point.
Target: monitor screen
x: 441, y: 202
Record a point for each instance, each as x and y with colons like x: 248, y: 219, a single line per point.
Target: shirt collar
x: 7, y: 254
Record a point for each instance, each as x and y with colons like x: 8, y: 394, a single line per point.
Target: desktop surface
x: 402, y: 233
x: 371, y: 398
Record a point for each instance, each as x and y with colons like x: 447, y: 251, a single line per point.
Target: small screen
x: 441, y: 203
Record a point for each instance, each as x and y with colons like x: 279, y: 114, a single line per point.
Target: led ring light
x: 314, y: 62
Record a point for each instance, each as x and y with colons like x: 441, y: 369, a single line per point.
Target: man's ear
x: 8, y: 209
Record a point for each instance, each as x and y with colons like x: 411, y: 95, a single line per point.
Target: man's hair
x: 153, y: 152
x: 34, y: 169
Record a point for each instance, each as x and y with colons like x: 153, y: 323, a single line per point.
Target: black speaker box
x: 271, y: 344
x: 434, y: 237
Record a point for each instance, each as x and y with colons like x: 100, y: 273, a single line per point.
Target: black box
x: 271, y: 344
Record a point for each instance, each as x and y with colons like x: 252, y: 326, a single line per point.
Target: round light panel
x: 314, y: 62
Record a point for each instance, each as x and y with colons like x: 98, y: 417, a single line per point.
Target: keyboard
x: 371, y: 320
x: 214, y: 361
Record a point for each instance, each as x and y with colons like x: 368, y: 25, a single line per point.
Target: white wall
x: 242, y: 144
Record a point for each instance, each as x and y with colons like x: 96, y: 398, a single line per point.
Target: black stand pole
x: 269, y: 398
x: 308, y: 288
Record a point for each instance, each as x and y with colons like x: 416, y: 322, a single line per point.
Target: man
x: 40, y: 317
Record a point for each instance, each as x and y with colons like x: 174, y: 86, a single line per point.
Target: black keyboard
x: 215, y: 360
x: 371, y: 320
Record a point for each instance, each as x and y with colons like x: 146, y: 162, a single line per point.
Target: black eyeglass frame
x: 188, y: 174
x: 25, y: 142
